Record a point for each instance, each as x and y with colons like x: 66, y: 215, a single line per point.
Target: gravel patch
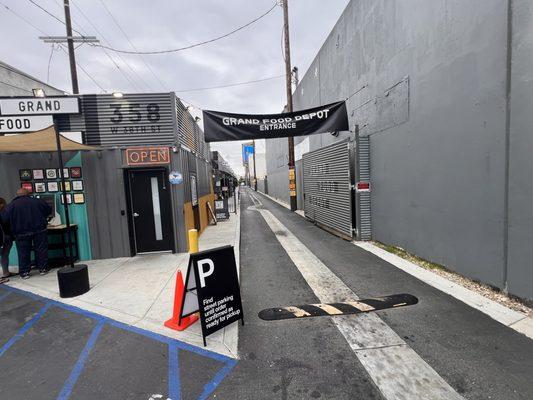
x: 487, y: 291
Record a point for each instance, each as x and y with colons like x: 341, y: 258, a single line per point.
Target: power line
x: 51, y: 15
x: 192, y: 45
x: 102, y: 36
x: 230, y: 84
x: 85, y: 72
x: 61, y: 47
x: 131, y: 44
x: 22, y: 18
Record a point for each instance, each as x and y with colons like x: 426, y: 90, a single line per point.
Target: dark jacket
x: 4, y: 231
x: 26, y: 215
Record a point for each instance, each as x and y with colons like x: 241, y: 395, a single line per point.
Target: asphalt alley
x: 459, y: 347
x: 49, y: 350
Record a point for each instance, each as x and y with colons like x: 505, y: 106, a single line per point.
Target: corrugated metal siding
x: 204, y: 173
x: 327, y: 187
x: 186, y: 124
x: 106, y: 198
x: 133, y: 120
x: 364, y: 199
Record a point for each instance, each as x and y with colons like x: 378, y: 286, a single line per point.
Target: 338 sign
x: 134, y: 112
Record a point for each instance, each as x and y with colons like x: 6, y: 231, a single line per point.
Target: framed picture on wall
x: 53, y: 187
x: 51, y: 173
x: 69, y: 199
x: 65, y: 173
x: 40, y: 187
x: 28, y: 186
x: 38, y: 174
x: 67, y: 186
x: 79, y: 198
x: 25, y: 174
x: 75, y: 172
x: 77, y: 186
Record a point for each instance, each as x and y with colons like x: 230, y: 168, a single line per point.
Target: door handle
x: 135, y: 214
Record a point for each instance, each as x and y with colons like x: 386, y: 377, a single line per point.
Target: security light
x: 118, y: 95
x: 38, y: 92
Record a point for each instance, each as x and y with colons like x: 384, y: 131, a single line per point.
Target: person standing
x: 6, y: 242
x: 27, y: 219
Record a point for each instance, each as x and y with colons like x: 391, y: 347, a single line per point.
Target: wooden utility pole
x: 288, y: 83
x: 71, y: 56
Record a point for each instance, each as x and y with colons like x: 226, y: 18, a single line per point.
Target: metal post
x: 64, y: 195
x: 255, y: 170
x: 288, y: 84
x: 70, y: 42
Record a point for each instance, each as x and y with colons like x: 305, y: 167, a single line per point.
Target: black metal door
x: 150, y: 210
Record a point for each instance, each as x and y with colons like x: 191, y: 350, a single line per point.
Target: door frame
x: 129, y: 207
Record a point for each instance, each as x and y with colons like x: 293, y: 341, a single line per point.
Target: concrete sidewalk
x: 139, y: 291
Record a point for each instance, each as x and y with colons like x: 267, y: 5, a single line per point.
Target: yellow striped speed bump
x: 332, y: 309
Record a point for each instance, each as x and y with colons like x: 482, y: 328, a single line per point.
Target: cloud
x: 253, y: 53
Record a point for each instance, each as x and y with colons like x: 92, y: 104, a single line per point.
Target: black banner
x: 219, y: 126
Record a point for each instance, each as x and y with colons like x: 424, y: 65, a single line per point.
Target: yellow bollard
x: 193, y: 241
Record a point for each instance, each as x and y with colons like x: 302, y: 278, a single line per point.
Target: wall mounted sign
x: 28, y: 186
x: 175, y: 177
x: 194, y: 191
x: 146, y: 119
x: 25, y: 174
x: 39, y: 106
x: 212, y: 288
x: 69, y: 198
x: 51, y: 173
x: 147, y: 156
x: 52, y: 186
x: 75, y: 172
x: 221, y: 126
x: 38, y: 174
x: 25, y: 124
x: 79, y: 198
x: 77, y: 186
x: 65, y: 173
x: 40, y: 187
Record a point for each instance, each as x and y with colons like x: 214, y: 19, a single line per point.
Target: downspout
x: 507, y: 143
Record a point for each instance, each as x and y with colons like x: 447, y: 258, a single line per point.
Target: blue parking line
x: 174, y: 383
x: 78, y: 367
x: 217, y: 380
x: 174, y: 345
x: 24, y: 329
x: 156, y: 336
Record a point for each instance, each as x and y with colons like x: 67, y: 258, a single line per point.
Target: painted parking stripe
x: 24, y: 329
x: 78, y: 367
x: 396, y: 369
x: 174, y: 383
x: 228, y: 363
x: 336, y: 309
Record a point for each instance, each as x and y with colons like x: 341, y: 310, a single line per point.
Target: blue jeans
x: 4, y: 254
x: 40, y: 246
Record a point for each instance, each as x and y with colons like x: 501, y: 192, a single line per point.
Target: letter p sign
x: 203, y: 273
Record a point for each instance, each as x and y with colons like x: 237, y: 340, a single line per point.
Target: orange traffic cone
x: 174, y: 322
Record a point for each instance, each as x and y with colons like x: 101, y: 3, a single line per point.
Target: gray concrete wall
x: 520, y: 249
x: 14, y: 82
x: 277, y: 170
x: 434, y: 104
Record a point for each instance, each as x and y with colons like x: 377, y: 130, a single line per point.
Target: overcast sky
x: 251, y: 54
